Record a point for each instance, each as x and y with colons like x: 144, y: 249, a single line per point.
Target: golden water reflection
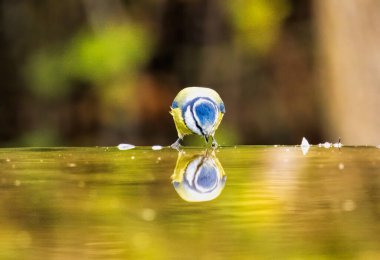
x: 103, y: 203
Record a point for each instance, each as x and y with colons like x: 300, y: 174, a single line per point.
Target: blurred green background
x: 94, y: 72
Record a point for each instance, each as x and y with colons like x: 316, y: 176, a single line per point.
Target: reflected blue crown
x: 207, y: 178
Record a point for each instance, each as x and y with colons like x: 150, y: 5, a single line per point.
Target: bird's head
x: 201, y: 115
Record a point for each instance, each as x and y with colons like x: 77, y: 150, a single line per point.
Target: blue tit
x: 198, y: 177
x: 197, y: 110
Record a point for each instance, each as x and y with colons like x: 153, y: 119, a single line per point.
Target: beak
x: 206, y: 138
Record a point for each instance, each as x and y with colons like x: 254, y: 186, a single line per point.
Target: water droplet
x: 148, y: 214
x: 341, y: 166
x: 349, y: 205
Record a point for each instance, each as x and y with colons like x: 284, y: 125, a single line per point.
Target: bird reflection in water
x: 198, y: 177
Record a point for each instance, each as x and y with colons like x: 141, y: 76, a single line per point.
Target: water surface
x: 237, y: 202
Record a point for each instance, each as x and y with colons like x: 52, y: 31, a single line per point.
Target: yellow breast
x: 180, y: 125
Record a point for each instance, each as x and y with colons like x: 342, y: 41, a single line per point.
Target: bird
x: 197, y: 110
x: 198, y: 177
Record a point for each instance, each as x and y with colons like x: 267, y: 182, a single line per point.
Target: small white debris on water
x: 7, y: 160
x: 132, y: 157
x: 156, y: 147
x: 305, y: 146
x: 17, y: 183
x: 125, y: 146
x: 341, y: 166
x: 305, y: 149
x: 305, y: 142
x: 327, y: 145
x: 158, y: 159
x: 71, y: 165
x: 349, y: 205
x: 276, y: 145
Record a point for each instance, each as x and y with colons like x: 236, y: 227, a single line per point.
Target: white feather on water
x: 156, y: 147
x: 305, y: 146
x: 125, y: 146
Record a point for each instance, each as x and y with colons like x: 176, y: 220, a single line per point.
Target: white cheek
x: 190, y: 122
x: 191, y: 170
